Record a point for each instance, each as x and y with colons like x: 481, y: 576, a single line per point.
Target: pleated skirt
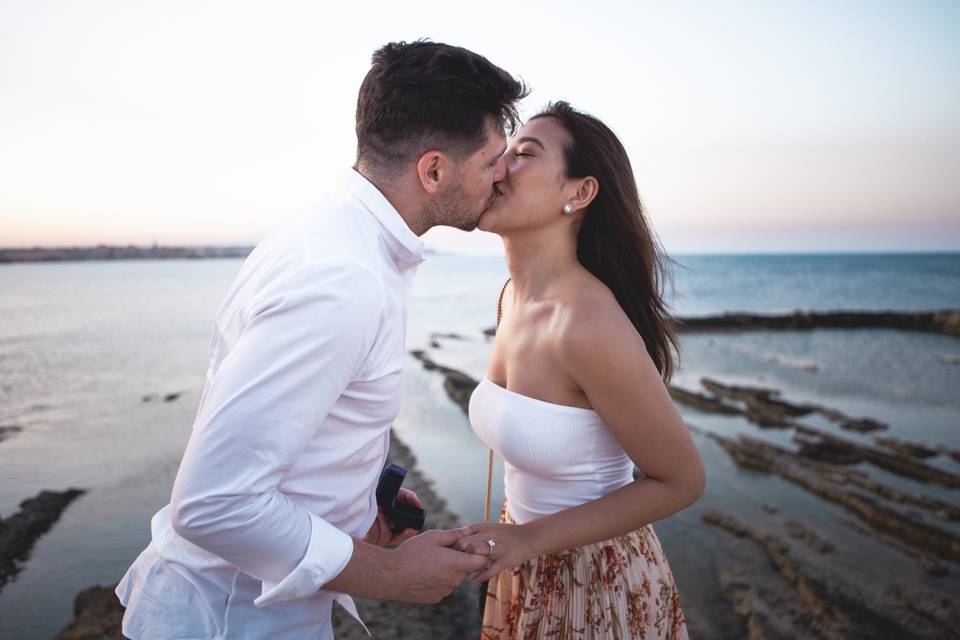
x: 615, y: 589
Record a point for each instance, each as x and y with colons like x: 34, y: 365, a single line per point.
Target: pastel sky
x: 752, y: 126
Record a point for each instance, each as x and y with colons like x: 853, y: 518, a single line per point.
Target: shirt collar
x: 405, y: 246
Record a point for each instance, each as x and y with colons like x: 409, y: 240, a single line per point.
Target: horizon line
x: 431, y: 250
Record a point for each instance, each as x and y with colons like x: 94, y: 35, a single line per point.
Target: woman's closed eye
x: 521, y: 154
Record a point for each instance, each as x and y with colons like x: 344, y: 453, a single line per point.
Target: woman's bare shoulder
x: 591, y: 318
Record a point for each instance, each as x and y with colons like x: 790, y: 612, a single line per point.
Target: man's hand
x: 422, y: 569
x: 425, y: 569
x: 380, y: 533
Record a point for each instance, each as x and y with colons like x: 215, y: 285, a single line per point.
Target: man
x: 275, y: 495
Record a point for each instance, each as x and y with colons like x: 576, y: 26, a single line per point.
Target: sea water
x: 90, y: 350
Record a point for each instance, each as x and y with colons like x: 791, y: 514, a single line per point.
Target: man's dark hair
x: 429, y: 95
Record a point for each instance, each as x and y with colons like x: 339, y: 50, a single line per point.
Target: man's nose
x: 500, y: 170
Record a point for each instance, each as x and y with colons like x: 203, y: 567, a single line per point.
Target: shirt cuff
x: 327, y: 554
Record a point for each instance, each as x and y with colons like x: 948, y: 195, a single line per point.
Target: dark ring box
x: 400, y: 516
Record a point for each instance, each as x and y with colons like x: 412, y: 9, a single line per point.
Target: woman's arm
x: 601, y: 351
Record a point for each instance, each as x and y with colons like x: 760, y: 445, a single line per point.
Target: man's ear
x: 432, y: 169
x: 587, y: 190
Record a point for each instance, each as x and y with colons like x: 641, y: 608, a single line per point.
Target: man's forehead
x: 494, y: 147
x: 496, y: 138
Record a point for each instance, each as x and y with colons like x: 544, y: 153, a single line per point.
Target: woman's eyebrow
x: 535, y: 141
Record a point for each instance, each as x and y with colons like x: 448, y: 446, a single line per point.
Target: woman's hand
x: 380, y: 533
x: 511, y: 546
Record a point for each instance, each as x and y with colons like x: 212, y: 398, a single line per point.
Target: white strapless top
x: 555, y: 456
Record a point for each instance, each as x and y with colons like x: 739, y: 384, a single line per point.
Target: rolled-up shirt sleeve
x: 304, y: 339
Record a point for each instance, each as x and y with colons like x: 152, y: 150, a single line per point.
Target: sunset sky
x: 752, y: 126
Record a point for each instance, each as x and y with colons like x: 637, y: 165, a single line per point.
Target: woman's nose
x: 501, y: 170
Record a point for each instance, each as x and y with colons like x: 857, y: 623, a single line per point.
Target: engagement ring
x: 491, y: 543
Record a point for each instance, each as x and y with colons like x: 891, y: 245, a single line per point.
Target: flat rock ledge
x: 791, y: 597
x: 766, y: 409
x: 945, y: 321
x: 458, y: 385
x: 19, y: 532
x: 8, y: 430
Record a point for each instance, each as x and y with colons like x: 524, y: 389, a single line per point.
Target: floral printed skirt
x: 619, y: 588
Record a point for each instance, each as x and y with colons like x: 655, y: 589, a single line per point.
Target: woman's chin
x: 488, y: 220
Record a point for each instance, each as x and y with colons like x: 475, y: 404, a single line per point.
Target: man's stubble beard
x: 450, y: 209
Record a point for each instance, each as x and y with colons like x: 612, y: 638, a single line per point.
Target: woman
x: 575, y: 397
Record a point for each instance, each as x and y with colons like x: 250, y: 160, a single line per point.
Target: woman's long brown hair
x: 615, y: 242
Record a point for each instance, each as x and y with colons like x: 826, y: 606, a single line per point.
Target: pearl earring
x: 568, y: 208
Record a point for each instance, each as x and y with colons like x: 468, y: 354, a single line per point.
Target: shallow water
x: 82, y: 343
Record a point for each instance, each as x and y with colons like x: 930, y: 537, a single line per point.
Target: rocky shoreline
x: 788, y: 591
x: 787, y: 577
x: 98, y: 614
x: 111, y: 252
x: 807, y: 599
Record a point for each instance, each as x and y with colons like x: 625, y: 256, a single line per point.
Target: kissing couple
x: 274, y: 514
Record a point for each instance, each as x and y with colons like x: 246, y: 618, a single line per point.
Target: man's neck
x: 403, y: 195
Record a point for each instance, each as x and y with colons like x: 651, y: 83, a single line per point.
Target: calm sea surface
x: 82, y: 344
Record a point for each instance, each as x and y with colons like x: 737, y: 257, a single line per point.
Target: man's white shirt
x: 292, y: 431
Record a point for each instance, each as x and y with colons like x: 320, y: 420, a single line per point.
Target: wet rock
x: 702, y: 401
x: 928, y: 563
x: 765, y: 414
x: 833, y: 608
x: 725, y: 522
x: 931, y: 607
x: 946, y: 321
x: 797, y: 530
x: 828, y: 452
x: 769, y: 611
x: 170, y: 397
x: 763, y: 406
x: 767, y: 398
x: 912, y: 449
x: 19, y: 532
x: 458, y: 385
x: 940, y: 509
x: 898, y: 464
x: 849, y: 423
x: 770, y: 508
x: 757, y: 455
x: 97, y: 616
x: 148, y: 398
x: 9, y: 430
x: 933, y: 566
x: 947, y: 451
x: 862, y: 425
x: 737, y: 392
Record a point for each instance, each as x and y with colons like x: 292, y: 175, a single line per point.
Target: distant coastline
x: 161, y: 252
x: 112, y: 252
